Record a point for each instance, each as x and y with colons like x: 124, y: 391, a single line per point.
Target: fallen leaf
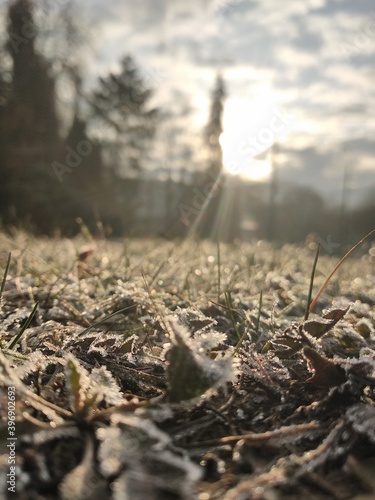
x: 326, y: 372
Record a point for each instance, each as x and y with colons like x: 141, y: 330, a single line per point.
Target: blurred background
x: 222, y: 119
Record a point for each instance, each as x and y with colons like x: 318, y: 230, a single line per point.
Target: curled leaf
x: 317, y: 328
x: 336, y: 314
x: 326, y: 372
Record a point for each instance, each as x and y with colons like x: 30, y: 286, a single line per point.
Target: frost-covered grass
x: 152, y: 370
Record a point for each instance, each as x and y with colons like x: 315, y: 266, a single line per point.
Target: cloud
x: 297, y: 56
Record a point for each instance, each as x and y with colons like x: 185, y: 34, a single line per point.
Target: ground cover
x: 156, y: 369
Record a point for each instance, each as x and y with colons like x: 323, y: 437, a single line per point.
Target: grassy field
x: 147, y: 369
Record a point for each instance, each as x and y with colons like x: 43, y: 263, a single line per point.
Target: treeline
x: 244, y: 212
x: 299, y: 213
x: 51, y: 174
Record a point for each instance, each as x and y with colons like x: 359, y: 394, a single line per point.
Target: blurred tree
x: 32, y: 86
x: 219, y: 215
x: 214, y: 127
x: 92, y: 192
x: 300, y: 211
x: 209, y: 185
x: 29, y: 126
x: 270, y: 223
x: 122, y: 101
x: 360, y: 220
x: 121, y: 108
x: 34, y: 161
x: 64, y: 38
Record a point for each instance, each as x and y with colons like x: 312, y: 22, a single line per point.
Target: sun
x: 250, y: 130
x: 244, y: 165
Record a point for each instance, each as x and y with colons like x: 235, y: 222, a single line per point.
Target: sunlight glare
x: 256, y: 170
x: 250, y: 130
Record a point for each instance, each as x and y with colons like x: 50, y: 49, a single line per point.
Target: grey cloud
x: 278, y: 42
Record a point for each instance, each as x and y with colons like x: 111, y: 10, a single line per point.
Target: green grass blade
x: 229, y: 305
x: 108, y: 316
x: 307, y: 311
x: 5, y: 276
x: 245, y: 333
x: 259, y: 311
x: 24, y: 327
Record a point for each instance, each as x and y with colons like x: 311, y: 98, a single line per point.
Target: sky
x: 300, y: 78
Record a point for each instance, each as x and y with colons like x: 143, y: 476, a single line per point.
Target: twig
x: 259, y: 438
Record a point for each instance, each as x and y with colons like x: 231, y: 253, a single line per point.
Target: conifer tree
x: 220, y: 219
x: 210, y: 218
x: 29, y: 126
x: 122, y: 102
x: 33, y: 87
x: 214, y: 127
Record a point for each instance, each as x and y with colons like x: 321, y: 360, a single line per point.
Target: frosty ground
x: 157, y: 369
